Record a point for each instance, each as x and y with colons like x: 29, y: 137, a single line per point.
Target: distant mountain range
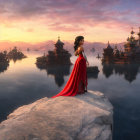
x: 49, y: 45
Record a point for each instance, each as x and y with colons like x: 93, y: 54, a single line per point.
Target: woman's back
x: 79, y: 50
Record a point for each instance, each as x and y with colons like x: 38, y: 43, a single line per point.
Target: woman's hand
x: 87, y: 63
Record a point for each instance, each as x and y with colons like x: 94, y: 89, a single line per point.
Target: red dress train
x: 78, y: 79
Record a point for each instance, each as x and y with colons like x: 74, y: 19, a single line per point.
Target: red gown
x: 78, y: 79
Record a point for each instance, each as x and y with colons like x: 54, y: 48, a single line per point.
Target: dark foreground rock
x: 83, y: 117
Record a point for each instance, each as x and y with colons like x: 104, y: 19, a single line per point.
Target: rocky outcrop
x: 83, y: 117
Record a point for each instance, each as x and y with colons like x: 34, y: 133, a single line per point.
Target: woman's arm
x: 85, y: 58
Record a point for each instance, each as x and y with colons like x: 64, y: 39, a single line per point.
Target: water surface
x: 23, y: 83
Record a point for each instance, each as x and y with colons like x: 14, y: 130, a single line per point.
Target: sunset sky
x: 41, y: 20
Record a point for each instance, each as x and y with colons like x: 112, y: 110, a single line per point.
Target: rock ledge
x: 83, y: 117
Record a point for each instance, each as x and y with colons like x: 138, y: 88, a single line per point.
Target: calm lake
x: 23, y: 83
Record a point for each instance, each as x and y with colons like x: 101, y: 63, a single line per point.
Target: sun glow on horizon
x: 41, y: 34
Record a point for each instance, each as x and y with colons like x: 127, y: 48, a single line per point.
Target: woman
x: 77, y: 83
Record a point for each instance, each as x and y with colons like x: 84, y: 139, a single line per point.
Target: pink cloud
x: 30, y: 30
x: 78, y: 13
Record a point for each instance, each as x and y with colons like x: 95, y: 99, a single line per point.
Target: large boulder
x: 87, y: 116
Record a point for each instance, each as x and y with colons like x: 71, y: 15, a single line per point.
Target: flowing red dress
x: 78, y: 79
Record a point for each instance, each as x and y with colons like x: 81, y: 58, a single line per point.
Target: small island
x: 4, y: 61
x: 92, y: 72
x: 15, y: 54
x: 83, y: 117
x: 59, y: 56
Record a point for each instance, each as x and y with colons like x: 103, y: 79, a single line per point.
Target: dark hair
x: 76, y: 42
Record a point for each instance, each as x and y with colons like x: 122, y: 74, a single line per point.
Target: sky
x: 42, y: 20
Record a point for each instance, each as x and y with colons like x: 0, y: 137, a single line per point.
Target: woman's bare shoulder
x: 80, y: 48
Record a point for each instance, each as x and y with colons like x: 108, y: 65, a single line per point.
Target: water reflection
x: 23, y: 82
x: 57, y: 71
x: 15, y: 59
x: 129, y: 71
